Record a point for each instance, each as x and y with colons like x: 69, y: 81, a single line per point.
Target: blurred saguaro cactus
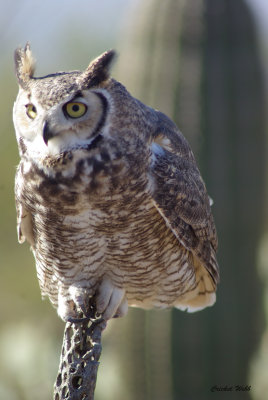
x: 198, y: 62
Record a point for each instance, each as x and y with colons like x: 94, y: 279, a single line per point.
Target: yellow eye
x: 31, y: 111
x: 75, y: 109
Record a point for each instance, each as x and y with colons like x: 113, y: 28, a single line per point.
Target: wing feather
x: 24, y: 216
x: 180, y: 195
x: 24, y: 225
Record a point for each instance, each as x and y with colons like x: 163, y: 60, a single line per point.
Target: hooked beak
x: 47, y: 133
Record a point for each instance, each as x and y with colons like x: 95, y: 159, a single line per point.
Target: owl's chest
x: 92, y: 194
x: 118, y: 232
x: 99, y: 206
x: 80, y: 181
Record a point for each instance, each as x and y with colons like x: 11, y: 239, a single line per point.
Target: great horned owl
x: 109, y: 196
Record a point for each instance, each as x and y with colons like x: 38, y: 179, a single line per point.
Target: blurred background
x: 204, y: 63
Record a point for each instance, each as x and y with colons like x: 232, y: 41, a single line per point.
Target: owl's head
x: 61, y: 111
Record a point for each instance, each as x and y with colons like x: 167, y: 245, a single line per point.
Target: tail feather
x: 203, y: 295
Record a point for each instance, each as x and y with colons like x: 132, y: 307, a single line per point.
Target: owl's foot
x: 111, y: 301
x: 75, y: 308
x: 108, y: 302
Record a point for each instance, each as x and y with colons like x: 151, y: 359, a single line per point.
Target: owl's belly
x: 131, y: 246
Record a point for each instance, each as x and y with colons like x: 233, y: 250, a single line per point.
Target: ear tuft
x: 24, y: 65
x: 98, y: 70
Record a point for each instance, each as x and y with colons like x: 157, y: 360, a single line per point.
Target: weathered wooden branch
x: 79, y: 362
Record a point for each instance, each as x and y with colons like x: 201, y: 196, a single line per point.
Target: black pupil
x: 75, y: 107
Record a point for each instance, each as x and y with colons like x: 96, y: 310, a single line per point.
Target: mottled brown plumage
x: 109, y: 196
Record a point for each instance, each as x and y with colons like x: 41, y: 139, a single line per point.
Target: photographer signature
x: 227, y: 388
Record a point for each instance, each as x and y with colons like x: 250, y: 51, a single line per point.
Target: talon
x: 95, y: 323
x: 84, y: 310
x: 78, y: 320
x: 110, y: 300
